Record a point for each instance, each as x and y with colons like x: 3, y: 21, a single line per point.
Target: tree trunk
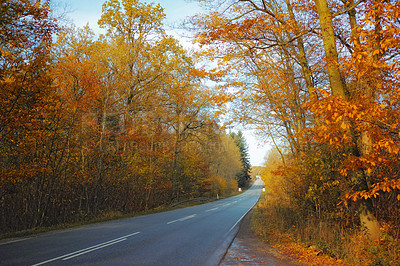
x: 363, y: 143
x: 332, y: 59
x: 302, y: 54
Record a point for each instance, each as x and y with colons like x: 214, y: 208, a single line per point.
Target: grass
x: 276, y: 226
x: 317, y: 242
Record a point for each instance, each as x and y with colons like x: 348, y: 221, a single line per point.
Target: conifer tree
x: 243, y: 176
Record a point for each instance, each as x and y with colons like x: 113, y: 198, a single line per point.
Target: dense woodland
x: 321, y: 80
x: 116, y: 123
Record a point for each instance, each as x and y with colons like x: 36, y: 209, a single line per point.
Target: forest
x: 320, y: 80
x: 128, y: 121
x: 92, y: 125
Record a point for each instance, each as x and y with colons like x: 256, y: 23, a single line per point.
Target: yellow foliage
x: 277, y: 186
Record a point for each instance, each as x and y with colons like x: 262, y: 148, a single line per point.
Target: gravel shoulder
x: 248, y: 249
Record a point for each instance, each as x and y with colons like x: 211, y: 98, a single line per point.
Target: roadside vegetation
x: 290, y: 223
x: 105, y: 216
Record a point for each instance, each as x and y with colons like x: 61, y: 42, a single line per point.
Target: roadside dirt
x: 248, y: 249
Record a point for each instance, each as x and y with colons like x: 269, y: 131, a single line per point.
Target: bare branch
x: 351, y: 7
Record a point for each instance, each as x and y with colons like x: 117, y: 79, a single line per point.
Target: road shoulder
x: 248, y: 249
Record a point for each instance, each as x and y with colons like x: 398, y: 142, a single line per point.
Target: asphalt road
x: 198, y: 235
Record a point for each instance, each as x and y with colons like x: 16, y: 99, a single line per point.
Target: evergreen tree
x: 243, y: 176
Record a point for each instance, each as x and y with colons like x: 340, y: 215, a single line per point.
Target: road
x: 196, y: 235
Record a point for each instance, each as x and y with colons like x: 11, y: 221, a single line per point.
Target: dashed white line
x: 87, y: 250
x: 182, y: 219
x: 213, y: 209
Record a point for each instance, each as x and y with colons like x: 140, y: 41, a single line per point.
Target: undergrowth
x: 320, y: 242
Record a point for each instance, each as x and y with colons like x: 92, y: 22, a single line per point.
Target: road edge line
x: 236, y: 224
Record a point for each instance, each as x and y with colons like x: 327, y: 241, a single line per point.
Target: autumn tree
x: 368, y: 31
x: 78, y: 77
x: 264, y: 56
x: 27, y: 117
x: 224, y: 158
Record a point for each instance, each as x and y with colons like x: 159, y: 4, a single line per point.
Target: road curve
x: 196, y: 235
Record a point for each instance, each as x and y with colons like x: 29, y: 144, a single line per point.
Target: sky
x: 82, y: 12
x: 89, y: 11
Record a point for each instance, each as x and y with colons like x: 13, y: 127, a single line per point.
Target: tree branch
x: 348, y: 8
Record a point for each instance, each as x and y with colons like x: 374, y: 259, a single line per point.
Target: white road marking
x: 213, y: 209
x: 93, y: 249
x: 182, y: 219
x: 238, y: 221
x: 87, y: 250
x: 14, y: 241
